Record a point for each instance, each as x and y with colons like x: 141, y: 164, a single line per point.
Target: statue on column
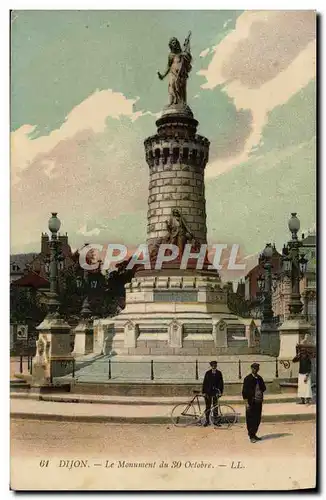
x: 178, y: 232
x: 178, y: 69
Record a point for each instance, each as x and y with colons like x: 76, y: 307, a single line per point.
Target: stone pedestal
x: 175, y: 334
x: 292, y: 332
x: 53, y: 357
x: 84, y: 338
x: 130, y: 334
x: 220, y: 334
x: 160, y: 319
x: 269, y: 339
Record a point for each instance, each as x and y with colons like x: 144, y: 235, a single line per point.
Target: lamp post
x: 55, y: 257
x: 53, y: 357
x: 269, y: 337
x: 294, y: 266
x: 294, y: 329
x: 265, y: 283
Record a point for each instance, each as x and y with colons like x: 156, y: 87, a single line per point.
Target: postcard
x: 163, y: 250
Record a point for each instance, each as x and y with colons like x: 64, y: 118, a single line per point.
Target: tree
x: 26, y: 305
x: 238, y: 305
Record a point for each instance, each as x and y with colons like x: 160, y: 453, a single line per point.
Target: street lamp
x: 265, y: 282
x: 55, y: 256
x: 294, y: 265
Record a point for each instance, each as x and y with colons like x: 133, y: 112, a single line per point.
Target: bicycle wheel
x: 183, y: 415
x: 223, y: 416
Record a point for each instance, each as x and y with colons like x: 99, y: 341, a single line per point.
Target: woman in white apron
x: 304, y: 377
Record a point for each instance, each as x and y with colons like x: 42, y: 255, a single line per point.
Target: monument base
x: 183, y: 314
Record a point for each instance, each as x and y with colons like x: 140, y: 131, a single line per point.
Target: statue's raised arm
x: 186, y: 45
x: 178, y: 69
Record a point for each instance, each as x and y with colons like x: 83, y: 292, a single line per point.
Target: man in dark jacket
x: 253, y: 393
x: 212, y: 388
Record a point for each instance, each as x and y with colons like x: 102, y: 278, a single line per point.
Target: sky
x: 85, y: 95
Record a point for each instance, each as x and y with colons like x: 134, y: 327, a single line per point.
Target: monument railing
x: 177, y: 371
x: 194, y: 370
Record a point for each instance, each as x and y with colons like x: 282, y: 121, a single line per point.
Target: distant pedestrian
x: 213, y: 387
x: 304, y: 377
x: 253, y: 393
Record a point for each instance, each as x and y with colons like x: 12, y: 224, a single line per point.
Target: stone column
x: 176, y: 157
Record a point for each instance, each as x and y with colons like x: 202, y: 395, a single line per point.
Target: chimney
x: 63, y: 238
x: 44, y: 243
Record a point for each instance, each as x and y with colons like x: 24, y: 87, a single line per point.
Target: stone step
x: 139, y: 400
x: 156, y: 414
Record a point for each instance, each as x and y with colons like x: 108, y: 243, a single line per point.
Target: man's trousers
x: 253, y: 417
x: 208, y: 401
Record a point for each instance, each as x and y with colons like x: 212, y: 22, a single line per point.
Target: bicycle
x: 221, y: 415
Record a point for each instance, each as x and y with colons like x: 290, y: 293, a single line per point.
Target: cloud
x: 204, y: 53
x: 90, y: 170
x: 266, y: 59
x: 92, y: 232
x: 90, y: 115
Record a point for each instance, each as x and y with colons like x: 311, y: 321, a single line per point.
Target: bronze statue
x: 178, y: 68
x: 178, y: 232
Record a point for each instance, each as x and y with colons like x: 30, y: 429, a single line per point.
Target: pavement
x: 108, y: 456
x: 136, y: 410
x: 138, y: 400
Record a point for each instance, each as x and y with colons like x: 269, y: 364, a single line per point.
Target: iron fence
x: 152, y: 369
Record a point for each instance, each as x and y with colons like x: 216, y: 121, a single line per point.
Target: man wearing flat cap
x: 213, y: 387
x: 253, y: 393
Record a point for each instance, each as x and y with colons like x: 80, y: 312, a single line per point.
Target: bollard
x: 276, y: 367
x: 197, y: 377
x: 110, y: 375
x: 152, y: 370
x: 21, y: 364
x: 73, y: 368
x: 240, y: 370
